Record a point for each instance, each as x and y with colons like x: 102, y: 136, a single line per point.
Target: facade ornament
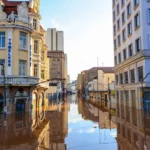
x: 23, y: 12
x: 12, y: 17
x: 2, y: 13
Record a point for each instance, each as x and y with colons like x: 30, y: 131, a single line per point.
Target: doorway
x: 20, y: 106
x: 1, y: 103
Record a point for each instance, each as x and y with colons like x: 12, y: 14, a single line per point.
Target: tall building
x: 23, y: 57
x: 55, y: 39
x: 131, y: 33
x: 131, y: 20
x: 57, y: 57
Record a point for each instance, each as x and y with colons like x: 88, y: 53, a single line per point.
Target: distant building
x: 58, y: 68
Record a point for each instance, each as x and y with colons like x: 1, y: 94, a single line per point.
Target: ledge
x: 19, y: 80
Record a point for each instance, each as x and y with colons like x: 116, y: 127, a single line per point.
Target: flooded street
x: 89, y: 128
x: 74, y: 125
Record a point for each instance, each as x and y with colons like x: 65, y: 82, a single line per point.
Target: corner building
x: 17, y: 34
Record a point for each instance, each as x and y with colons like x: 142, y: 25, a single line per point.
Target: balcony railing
x: 17, y: 80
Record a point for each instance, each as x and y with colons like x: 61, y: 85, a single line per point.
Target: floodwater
x: 73, y: 125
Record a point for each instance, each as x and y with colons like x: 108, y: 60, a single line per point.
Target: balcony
x: 19, y: 80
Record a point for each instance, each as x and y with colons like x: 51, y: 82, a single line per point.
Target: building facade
x: 18, y: 83
x: 58, y: 68
x: 131, y: 33
x: 131, y: 50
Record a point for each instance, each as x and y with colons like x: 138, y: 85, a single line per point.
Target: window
x: 129, y: 28
x: 116, y: 79
x: 140, y: 73
x: 22, y: 67
x: 118, y: 24
x: 122, y: 2
x: 114, y: 16
x: 23, y: 40
x: 132, y: 75
x: 42, y: 74
x: 118, y: 9
x: 126, y: 77
x: 35, y: 46
x: 119, y: 56
x: 2, y: 61
x: 124, y: 54
x: 2, y: 40
x: 34, y: 24
x: 136, y: 2
x: 119, y: 42
x: 114, y: 29
x: 115, y: 45
x: 137, y: 20
x: 130, y: 49
x: 137, y: 45
x: 124, y: 35
x: 121, y: 78
x: 35, y: 70
x: 123, y: 17
x: 115, y: 60
x: 149, y: 16
x: 129, y: 9
x: 113, y: 3
x: 42, y: 56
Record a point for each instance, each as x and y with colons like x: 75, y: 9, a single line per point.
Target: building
x: 55, y: 39
x: 21, y: 69
x: 131, y: 35
x: 99, y: 86
x: 58, y: 68
x: 131, y: 50
x: 71, y: 87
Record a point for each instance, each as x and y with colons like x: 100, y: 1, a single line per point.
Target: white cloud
x: 91, y: 130
x: 80, y: 131
x: 113, y: 134
x: 70, y: 130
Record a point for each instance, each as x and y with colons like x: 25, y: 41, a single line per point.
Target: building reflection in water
x: 133, y: 125
x: 95, y: 114
x: 133, y: 128
x: 46, y: 131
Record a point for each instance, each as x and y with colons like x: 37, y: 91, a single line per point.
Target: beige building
x: 24, y: 56
x: 58, y: 68
x: 99, y: 87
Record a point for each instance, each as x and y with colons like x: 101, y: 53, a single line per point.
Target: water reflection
x: 47, y: 131
x: 76, y: 125
x: 133, y: 128
x: 87, y: 130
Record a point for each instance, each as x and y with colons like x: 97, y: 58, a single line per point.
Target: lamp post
x: 4, y: 88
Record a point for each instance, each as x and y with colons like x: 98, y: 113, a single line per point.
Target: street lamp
x: 4, y: 87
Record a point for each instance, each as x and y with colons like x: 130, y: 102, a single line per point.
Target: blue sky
x: 87, y: 26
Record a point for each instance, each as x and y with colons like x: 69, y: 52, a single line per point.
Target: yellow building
x: 23, y: 56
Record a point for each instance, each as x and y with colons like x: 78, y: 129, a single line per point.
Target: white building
x: 55, y: 39
x: 131, y: 26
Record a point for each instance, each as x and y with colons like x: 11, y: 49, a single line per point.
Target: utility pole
x: 109, y: 99
x: 97, y: 80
